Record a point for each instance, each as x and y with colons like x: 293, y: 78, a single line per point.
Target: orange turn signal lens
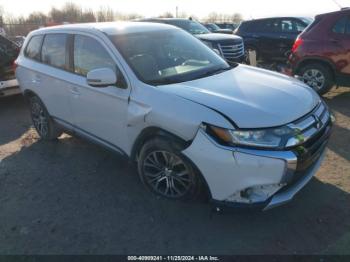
x: 222, y: 134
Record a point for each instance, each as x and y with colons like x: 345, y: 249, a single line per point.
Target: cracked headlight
x: 263, y: 138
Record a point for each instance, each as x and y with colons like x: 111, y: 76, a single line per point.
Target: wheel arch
x: 29, y: 93
x: 153, y: 132
x: 317, y: 60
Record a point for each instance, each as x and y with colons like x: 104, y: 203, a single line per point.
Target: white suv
x: 158, y: 95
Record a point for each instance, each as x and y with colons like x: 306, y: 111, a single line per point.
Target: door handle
x: 283, y: 37
x: 334, y: 41
x: 75, y: 91
x: 36, y: 79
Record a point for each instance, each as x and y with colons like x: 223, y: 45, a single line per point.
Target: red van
x: 321, y: 53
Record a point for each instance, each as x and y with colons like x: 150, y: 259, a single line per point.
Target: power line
x: 336, y: 2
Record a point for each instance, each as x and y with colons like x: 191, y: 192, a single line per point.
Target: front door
x: 99, y: 113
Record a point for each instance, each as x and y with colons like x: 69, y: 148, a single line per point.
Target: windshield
x: 214, y: 27
x: 190, y: 26
x: 168, y: 56
x: 307, y: 20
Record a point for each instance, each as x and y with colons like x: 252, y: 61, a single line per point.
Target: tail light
x: 14, y: 65
x: 297, y: 44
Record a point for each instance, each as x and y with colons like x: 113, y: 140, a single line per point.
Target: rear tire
x: 42, y: 121
x: 318, y: 77
x: 166, y: 171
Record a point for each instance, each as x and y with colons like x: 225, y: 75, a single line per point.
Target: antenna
x: 339, y: 5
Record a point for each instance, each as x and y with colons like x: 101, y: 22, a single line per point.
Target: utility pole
x: 177, y: 12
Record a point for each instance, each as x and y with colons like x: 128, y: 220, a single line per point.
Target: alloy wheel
x: 40, y: 120
x: 167, y: 174
x: 314, y: 78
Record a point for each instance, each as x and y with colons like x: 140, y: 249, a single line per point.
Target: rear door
x: 269, y: 38
x: 51, y: 78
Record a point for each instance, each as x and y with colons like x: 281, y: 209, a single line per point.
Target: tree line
x: 73, y: 13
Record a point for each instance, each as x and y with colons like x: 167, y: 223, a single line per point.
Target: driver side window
x: 89, y: 54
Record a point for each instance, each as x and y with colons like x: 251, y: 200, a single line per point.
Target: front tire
x: 42, y: 121
x: 166, y: 172
x: 318, y: 77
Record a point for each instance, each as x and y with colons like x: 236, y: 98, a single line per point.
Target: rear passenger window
x: 270, y: 26
x: 33, y: 48
x: 54, y: 50
x: 339, y: 27
x: 89, y: 55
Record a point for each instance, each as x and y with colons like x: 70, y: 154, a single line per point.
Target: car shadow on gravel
x: 71, y: 197
x: 14, y: 118
x: 339, y: 104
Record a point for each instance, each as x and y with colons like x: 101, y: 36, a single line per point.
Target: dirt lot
x: 72, y: 197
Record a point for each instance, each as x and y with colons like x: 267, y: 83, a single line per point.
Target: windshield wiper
x: 163, y: 81
x: 215, y: 71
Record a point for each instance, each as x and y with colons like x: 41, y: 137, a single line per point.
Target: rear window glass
x: 54, y: 50
x: 313, y: 24
x: 33, y: 48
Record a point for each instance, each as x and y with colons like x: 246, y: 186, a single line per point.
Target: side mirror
x: 101, y: 77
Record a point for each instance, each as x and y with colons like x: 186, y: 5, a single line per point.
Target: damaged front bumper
x: 239, y: 177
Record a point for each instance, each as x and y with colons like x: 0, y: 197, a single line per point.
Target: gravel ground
x: 72, y: 197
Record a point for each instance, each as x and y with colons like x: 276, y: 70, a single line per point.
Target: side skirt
x: 74, y: 130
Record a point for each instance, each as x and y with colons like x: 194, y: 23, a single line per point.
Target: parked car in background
x: 272, y: 38
x: 321, y: 54
x: 18, y: 40
x: 230, y: 47
x: 230, y: 26
x: 8, y: 54
x: 215, y: 29
x: 247, y: 136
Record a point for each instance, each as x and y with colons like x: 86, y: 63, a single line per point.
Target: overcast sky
x: 200, y: 8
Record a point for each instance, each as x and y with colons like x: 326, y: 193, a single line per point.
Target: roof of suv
x: 342, y: 11
x: 276, y: 17
x: 111, y: 28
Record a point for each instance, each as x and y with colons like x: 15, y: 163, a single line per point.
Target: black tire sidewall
x: 162, y: 144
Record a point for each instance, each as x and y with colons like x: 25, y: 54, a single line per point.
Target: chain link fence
x: 12, y: 30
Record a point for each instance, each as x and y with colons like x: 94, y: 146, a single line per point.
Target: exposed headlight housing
x: 262, y: 138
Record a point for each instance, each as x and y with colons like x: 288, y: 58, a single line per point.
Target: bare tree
x: 36, y: 18
x: 88, y: 16
x: 105, y: 14
x: 228, y: 18
x: 166, y: 15
x: 1, y: 16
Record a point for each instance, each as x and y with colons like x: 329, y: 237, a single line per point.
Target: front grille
x: 310, y: 125
x: 316, y: 127
x: 232, y: 52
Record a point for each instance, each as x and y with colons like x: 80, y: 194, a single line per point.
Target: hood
x: 250, y: 97
x: 213, y: 37
x: 224, y: 31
